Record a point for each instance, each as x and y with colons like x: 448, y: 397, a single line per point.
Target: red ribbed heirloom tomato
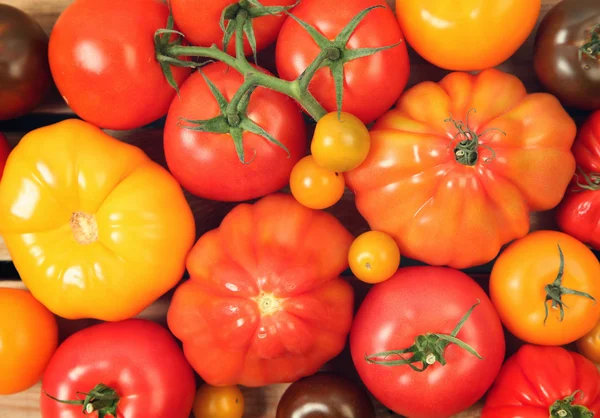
x: 443, y: 325
x: 103, y: 61
x: 542, y: 382
x: 455, y: 169
x: 371, y: 84
x: 579, y: 213
x: 207, y: 164
x: 4, y: 152
x: 265, y: 303
x: 127, y: 369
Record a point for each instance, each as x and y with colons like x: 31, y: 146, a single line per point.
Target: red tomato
x: 265, y: 303
x: 4, y: 151
x: 207, y: 164
x: 540, y: 381
x: 138, y: 359
x: 199, y: 21
x: 102, y: 59
x: 415, y: 302
x: 371, y: 84
x: 579, y: 213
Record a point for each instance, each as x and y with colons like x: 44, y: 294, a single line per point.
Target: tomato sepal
x: 101, y: 399
x: 427, y: 349
x: 591, y: 181
x: 592, y: 48
x: 564, y: 408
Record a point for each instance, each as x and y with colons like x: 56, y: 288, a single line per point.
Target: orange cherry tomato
x: 219, y: 402
x: 374, y: 257
x: 28, y: 338
x: 545, y: 287
x: 589, y: 344
x: 314, y: 186
x: 467, y: 34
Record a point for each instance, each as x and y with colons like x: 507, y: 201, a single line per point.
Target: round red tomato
x: 199, y: 21
x: 4, y: 151
x: 371, y: 84
x: 132, y: 369
x: 207, y: 164
x: 102, y: 59
x: 579, y: 212
x: 413, y: 308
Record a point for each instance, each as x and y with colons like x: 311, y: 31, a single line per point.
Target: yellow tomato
x: 28, y: 339
x: 374, y: 257
x: 589, y: 344
x: 94, y: 227
x: 314, y: 186
x: 219, y: 402
x: 340, y: 144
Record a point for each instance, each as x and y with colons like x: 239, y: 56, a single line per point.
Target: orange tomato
x: 467, y: 35
x: 314, y: 186
x: 28, y: 338
x: 374, y: 257
x: 219, y: 402
x: 589, y: 344
x: 545, y: 287
x: 94, y: 227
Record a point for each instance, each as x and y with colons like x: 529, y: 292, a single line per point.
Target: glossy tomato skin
x: 443, y: 212
x: 103, y: 232
x: 265, y: 303
x: 589, y: 344
x: 535, y: 377
x: 371, y: 84
x: 207, y: 165
x: 4, y: 152
x: 416, y: 301
x: 520, y: 275
x: 137, y: 358
x: 467, y: 35
x: 199, y: 21
x: 28, y: 338
x: 219, y: 402
x: 325, y: 395
x: 103, y: 62
x: 24, y: 72
x: 564, y: 29
x: 579, y: 212
x: 314, y: 186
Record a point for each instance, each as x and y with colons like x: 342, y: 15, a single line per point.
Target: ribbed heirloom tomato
x: 467, y: 35
x: 455, y: 169
x: 579, y: 212
x: 94, y: 227
x: 265, y: 303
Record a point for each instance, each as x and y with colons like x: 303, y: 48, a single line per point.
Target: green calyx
x: 591, y: 49
x: 555, y: 290
x: 564, y: 408
x: 466, y: 151
x: 101, y: 399
x: 334, y: 54
x: 427, y: 349
x: 591, y: 181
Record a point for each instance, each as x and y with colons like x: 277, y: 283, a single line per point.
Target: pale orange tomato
x: 28, y: 339
x: 374, y: 257
x: 219, y: 402
x: 314, y: 186
x: 589, y: 344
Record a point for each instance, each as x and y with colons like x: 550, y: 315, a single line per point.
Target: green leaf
x: 166, y: 69
x: 259, y: 10
x: 228, y: 13
x: 317, y: 36
x: 462, y: 321
x: 229, y: 31
x: 345, y: 33
x: 218, y: 125
x: 352, y: 54
x: 249, y: 31
x: 237, y: 134
x: 245, y: 101
x: 250, y: 126
x: 461, y: 344
x: 215, y: 92
x: 337, y: 72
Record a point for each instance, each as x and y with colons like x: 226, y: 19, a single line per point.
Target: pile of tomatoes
x: 446, y: 172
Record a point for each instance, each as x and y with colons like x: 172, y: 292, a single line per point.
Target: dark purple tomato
x: 325, y: 395
x: 24, y: 71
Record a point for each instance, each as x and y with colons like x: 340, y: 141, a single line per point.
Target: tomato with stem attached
x: 218, y: 402
x: 545, y: 288
x: 314, y: 186
x: 374, y: 257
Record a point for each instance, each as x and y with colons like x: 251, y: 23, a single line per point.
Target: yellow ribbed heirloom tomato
x: 94, y: 227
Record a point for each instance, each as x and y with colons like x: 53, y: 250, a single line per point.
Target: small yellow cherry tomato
x: 314, y: 186
x: 374, y: 257
x: 219, y: 402
x: 342, y: 144
x: 589, y: 344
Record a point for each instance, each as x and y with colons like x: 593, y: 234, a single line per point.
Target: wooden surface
x: 261, y: 403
